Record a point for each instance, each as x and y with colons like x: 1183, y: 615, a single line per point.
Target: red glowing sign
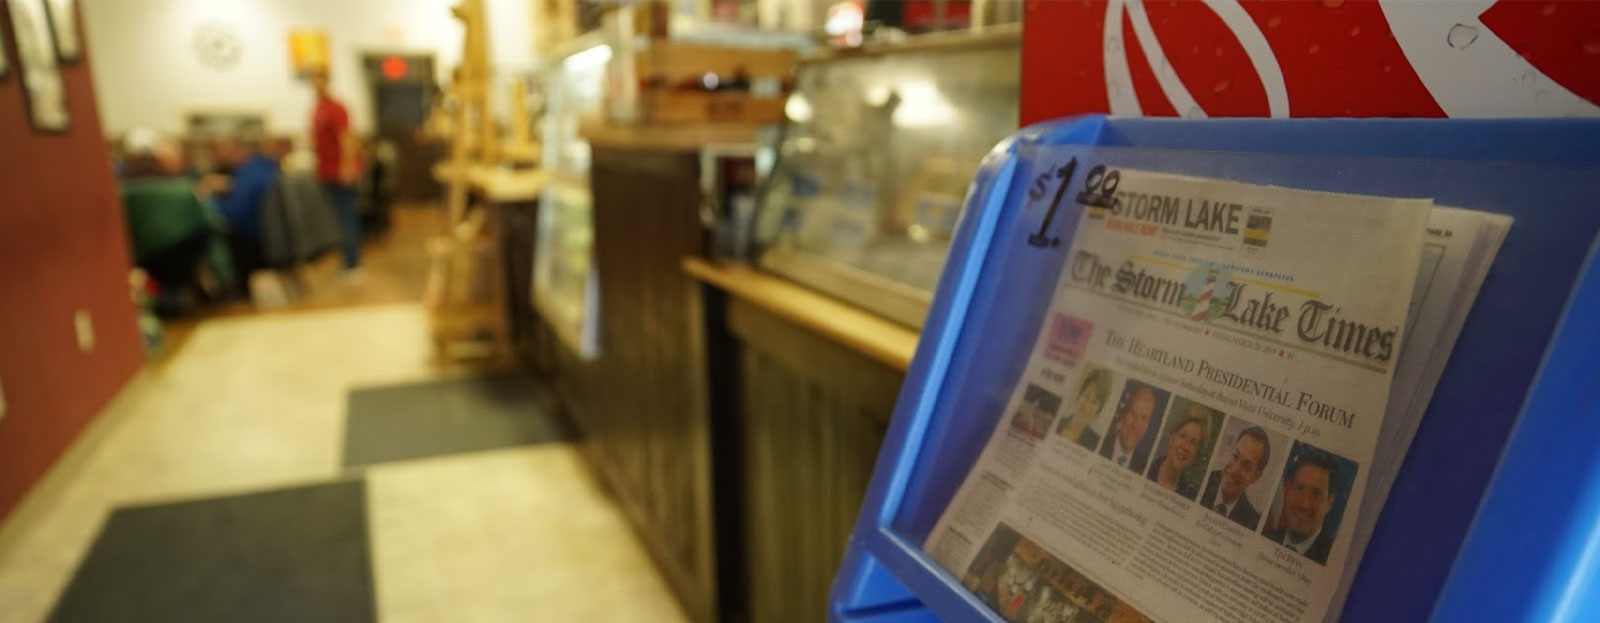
x: 395, y: 68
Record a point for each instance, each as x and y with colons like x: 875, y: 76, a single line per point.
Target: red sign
x: 1311, y: 58
x: 395, y: 68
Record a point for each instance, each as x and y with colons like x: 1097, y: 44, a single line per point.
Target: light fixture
x: 797, y: 109
x: 922, y: 106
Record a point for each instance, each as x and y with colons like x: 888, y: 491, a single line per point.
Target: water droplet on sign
x: 1221, y: 85
x: 1461, y: 36
x: 1314, y: 48
x: 1332, y: 4
x: 1591, y: 44
x: 1548, y: 9
x: 1218, y: 50
x: 1272, y: 22
x: 1355, y: 31
x: 1387, y: 68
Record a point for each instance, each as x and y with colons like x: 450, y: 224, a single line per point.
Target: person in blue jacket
x: 252, y: 173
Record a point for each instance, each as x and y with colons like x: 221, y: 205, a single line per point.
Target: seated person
x: 170, y: 228
x: 252, y: 171
x: 148, y: 155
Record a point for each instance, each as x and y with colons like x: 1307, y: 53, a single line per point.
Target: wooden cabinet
x: 645, y: 423
x: 802, y: 389
x: 738, y: 442
x: 813, y: 416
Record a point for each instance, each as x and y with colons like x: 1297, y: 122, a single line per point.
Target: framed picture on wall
x: 308, y: 52
x: 36, y: 62
x: 64, y: 25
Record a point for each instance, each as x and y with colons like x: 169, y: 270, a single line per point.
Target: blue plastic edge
x: 1533, y: 552
x: 862, y: 584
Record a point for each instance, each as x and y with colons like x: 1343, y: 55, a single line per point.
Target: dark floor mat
x: 445, y: 417
x: 288, y: 555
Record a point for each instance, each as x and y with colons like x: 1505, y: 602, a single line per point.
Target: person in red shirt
x: 337, y: 166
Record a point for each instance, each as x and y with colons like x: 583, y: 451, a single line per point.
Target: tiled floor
x: 506, y: 535
x: 257, y: 402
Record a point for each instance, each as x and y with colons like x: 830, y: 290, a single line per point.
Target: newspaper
x: 1456, y: 253
x: 1189, y: 439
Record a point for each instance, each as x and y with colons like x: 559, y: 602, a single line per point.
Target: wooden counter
x: 802, y: 390
x: 640, y: 402
x: 735, y: 416
x: 883, y: 341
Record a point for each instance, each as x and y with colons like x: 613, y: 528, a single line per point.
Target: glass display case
x: 874, y: 162
x: 564, y: 289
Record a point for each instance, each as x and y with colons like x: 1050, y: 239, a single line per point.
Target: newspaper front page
x: 1188, y: 437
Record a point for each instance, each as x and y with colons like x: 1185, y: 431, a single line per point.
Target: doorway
x: 402, y: 91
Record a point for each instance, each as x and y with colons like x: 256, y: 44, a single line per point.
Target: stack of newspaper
x: 1217, y: 403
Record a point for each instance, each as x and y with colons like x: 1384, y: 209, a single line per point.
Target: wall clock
x: 218, y: 46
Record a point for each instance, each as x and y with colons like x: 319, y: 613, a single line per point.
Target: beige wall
x: 148, y: 74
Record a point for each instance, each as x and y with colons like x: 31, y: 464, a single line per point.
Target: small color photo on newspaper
x: 1184, y: 447
x: 1026, y: 584
x: 1244, y: 471
x: 1131, y: 433
x: 1085, y: 404
x: 1036, y: 412
x: 1069, y: 338
x: 1305, y: 516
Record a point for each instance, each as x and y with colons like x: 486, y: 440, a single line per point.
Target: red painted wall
x: 62, y: 249
x: 1310, y: 58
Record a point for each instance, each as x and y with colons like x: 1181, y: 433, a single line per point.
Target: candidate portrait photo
x: 1128, y: 437
x: 1306, y: 514
x: 1184, y: 447
x: 1084, y: 405
x: 1244, y: 469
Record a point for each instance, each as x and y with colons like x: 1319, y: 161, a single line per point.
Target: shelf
x: 665, y: 137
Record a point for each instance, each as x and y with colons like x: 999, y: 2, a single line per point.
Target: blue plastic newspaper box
x: 1494, y: 514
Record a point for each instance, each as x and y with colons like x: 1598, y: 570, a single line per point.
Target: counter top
x: 867, y: 333
x: 502, y: 185
x: 664, y: 137
x: 497, y: 184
